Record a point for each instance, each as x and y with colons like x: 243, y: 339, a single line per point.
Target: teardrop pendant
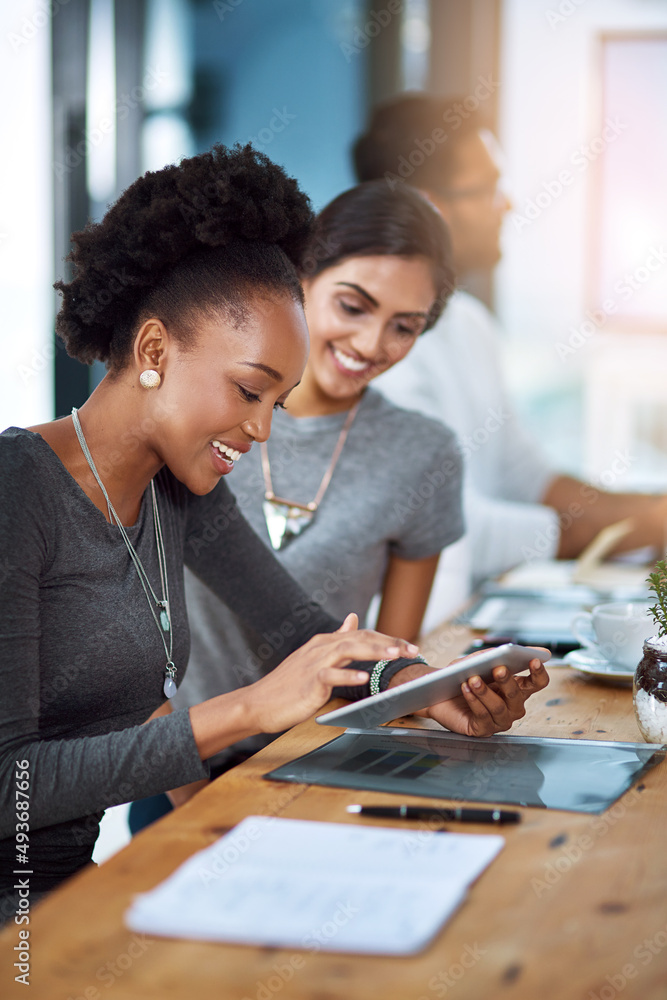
x: 284, y: 521
x: 164, y: 620
x: 169, y: 686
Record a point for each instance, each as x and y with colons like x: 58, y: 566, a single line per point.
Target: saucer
x: 604, y: 670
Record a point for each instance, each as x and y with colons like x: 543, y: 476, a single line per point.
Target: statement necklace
x: 158, y: 608
x: 285, y: 519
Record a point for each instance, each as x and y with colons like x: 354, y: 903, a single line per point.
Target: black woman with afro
x: 189, y: 291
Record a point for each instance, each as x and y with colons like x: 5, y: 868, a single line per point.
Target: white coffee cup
x: 620, y: 630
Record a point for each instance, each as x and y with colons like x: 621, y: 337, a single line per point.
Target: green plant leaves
x: 657, y: 582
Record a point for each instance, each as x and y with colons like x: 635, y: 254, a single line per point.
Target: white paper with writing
x: 317, y: 886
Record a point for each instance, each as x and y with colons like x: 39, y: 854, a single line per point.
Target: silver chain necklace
x: 285, y: 519
x: 159, y: 609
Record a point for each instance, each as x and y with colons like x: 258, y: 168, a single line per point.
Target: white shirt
x: 454, y: 373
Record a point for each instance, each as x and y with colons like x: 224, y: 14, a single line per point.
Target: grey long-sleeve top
x: 81, y: 660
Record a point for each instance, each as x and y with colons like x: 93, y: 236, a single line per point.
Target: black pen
x: 461, y: 813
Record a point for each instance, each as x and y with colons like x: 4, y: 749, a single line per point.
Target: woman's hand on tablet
x: 303, y: 682
x: 484, y: 709
x: 295, y: 689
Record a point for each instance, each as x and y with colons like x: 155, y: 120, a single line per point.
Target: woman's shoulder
x: 21, y: 452
x: 407, y: 426
x: 13, y: 436
x: 26, y: 465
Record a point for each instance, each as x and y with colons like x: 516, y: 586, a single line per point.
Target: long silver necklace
x: 159, y: 609
x: 285, y: 519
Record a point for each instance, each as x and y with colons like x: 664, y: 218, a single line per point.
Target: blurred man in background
x: 517, y: 505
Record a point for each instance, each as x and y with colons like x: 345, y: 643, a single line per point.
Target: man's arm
x: 584, y: 510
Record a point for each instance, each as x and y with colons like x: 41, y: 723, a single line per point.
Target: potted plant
x: 650, y: 682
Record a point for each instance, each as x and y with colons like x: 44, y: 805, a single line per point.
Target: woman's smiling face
x: 364, y: 314
x: 219, y: 390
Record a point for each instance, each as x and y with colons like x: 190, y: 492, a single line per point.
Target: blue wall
x: 254, y: 56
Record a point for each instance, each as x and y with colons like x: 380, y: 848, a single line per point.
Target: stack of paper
x: 317, y: 886
x: 620, y: 580
x: 624, y: 578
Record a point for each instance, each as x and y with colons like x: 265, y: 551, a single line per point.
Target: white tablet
x: 440, y: 685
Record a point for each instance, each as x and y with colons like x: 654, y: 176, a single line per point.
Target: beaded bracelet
x: 380, y: 667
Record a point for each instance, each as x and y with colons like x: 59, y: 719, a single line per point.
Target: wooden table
x: 574, y: 907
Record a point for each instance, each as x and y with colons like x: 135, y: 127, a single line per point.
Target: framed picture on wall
x: 628, y: 262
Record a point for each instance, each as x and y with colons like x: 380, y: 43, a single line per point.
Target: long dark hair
x: 376, y: 219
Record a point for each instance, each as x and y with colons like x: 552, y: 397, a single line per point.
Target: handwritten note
x: 317, y: 886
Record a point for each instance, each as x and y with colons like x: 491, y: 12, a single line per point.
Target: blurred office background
x: 98, y: 91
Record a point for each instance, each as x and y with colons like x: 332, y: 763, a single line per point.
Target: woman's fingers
x: 351, y: 623
x: 506, y: 686
x: 504, y: 702
x: 481, y: 722
x: 350, y: 643
x: 536, y: 681
x: 396, y: 646
x: 492, y: 701
x: 304, y: 680
x: 483, y: 709
x: 538, y: 674
x: 400, y: 647
x: 333, y: 677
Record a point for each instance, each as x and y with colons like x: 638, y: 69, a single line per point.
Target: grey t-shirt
x: 395, y: 491
x: 81, y: 661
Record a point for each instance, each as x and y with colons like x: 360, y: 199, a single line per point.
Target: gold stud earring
x: 150, y: 379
